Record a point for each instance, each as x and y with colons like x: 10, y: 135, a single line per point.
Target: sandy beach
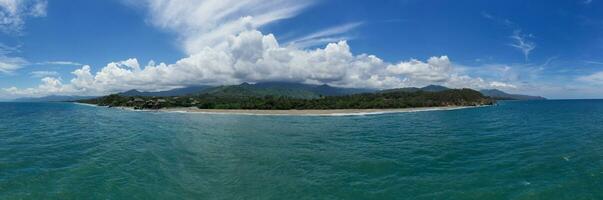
x: 335, y: 112
x: 331, y: 112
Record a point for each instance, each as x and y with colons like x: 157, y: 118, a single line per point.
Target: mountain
x: 293, y: 90
x: 54, y: 98
x: 301, y: 91
x: 175, y: 92
x: 288, y: 89
x: 493, y: 93
x: 322, y: 90
x: 429, y: 88
x: 434, y: 88
x: 500, y: 95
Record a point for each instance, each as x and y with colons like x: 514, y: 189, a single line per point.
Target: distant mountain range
x: 492, y: 93
x: 54, y: 98
x: 175, y: 92
x: 429, y: 88
x: 500, y: 95
x: 294, y: 90
x: 288, y: 89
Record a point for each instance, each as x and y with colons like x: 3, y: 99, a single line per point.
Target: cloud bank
x: 225, y: 46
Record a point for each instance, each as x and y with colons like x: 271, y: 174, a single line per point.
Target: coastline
x: 327, y: 112
x: 332, y: 112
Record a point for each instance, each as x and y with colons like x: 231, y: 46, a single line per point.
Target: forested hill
x: 280, y: 89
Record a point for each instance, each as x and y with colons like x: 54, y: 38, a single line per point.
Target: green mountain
x: 280, y: 89
x: 500, y: 95
x: 277, y: 89
x: 434, y: 88
x: 175, y: 92
x: 493, y: 93
x: 429, y: 88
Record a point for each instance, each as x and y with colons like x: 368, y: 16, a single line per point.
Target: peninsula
x: 301, y: 97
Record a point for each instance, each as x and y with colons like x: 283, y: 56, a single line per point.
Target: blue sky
x: 550, y: 48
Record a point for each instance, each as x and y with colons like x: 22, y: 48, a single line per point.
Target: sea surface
x: 514, y: 150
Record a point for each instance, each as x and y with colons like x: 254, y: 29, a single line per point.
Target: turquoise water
x: 516, y: 150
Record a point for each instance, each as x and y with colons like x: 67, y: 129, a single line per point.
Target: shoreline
x: 326, y: 112
x: 331, y: 112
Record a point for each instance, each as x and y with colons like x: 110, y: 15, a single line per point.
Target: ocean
x: 514, y: 150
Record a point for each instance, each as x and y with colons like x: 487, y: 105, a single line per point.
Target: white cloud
x: 595, y: 78
x: 59, y: 63
x: 225, y: 47
x: 506, y: 22
x: 10, y: 64
x: 496, y: 84
x: 50, y: 85
x: 38, y: 9
x: 436, y: 69
x: 332, y: 34
x: 254, y: 57
x: 594, y: 62
x: 42, y: 74
x: 522, y: 43
x: 202, y: 23
x: 12, y: 20
x: 14, y: 12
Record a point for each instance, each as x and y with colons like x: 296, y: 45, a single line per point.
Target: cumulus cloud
x: 14, y: 12
x: 50, y: 85
x: 436, y: 69
x: 225, y: 47
x: 254, y: 57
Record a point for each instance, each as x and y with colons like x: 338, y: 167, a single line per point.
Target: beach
x: 309, y: 112
x: 327, y: 112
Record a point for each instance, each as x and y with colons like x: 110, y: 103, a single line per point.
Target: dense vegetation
x: 385, y: 99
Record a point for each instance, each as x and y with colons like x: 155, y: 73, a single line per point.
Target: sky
x: 98, y: 47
